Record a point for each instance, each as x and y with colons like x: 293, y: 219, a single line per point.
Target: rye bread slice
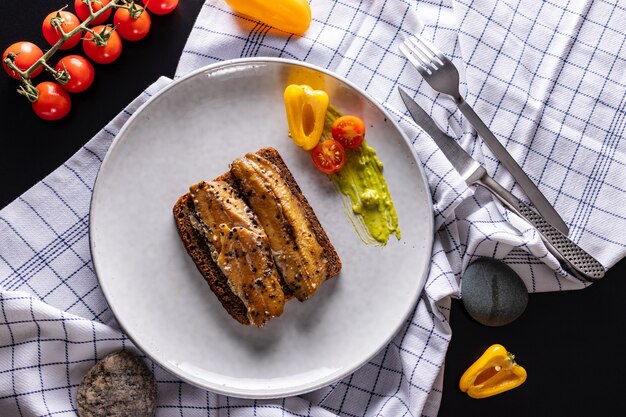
x: 200, y: 253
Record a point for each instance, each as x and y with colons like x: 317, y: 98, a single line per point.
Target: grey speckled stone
x: 119, y: 385
x: 492, y: 293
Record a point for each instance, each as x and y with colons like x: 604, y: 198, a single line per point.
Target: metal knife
x: 571, y: 256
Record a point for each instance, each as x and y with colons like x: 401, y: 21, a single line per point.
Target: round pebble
x: 492, y: 293
x: 118, y: 385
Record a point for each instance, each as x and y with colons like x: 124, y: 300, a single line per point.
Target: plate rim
x: 260, y: 393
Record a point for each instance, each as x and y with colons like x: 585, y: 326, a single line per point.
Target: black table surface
x: 569, y: 342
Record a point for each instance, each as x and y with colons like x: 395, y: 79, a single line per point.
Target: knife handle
x: 500, y: 152
x: 571, y: 256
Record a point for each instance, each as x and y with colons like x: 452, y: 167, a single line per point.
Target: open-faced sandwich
x: 255, y: 238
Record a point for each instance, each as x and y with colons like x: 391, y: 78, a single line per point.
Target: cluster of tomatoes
x: 101, y: 42
x: 348, y: 132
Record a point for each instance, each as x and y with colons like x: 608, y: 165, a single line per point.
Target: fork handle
x: 534, y: 195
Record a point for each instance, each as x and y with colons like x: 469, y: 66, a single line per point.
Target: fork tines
x: 422, y: 54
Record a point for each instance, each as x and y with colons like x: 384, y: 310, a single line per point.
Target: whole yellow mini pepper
x: 494, y: 372
x: 306, y: 112
x: 292, y: 16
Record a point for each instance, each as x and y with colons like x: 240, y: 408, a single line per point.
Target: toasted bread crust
x: 199, y: 251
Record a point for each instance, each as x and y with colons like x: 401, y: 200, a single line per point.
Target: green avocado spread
x: 361, y: 180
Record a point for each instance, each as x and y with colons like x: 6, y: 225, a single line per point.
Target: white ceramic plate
x: 190, y: 131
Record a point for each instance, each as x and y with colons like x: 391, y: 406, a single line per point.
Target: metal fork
x: 441, y: 74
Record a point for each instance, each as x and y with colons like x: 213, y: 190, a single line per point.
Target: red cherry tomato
x: 52, y: 34
x: 53, y: 103
x: 161, y: 6
x: 329, y: 156
x: 103, y: 54
x: 80, y: 70
x: 129, y: 28
x: 349, y: 131
x: 27, y: 54
x: 82, y: 10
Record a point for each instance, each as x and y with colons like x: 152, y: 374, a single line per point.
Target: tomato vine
x: 63, y: 30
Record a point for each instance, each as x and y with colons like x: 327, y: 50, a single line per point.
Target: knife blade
x: 572, y: 257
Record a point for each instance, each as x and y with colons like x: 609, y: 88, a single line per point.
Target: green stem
x: 133, y: 9
x: 48, y: 67
x: 61, y: 76
x: 28, y: 90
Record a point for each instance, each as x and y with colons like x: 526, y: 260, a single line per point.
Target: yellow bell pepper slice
x: 292, y: 16
x: 494, y: 372
x: 306, y: 112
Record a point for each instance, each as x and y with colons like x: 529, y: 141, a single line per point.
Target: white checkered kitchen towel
x: 548, y: 78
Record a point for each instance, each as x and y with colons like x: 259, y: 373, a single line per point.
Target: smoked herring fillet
x: 239, y: 247
x: 296, y: 251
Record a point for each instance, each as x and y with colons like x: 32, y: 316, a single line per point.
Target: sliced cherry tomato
x: 349, y: 131
x: 161, y: 6
x: 26, y: 54
x: 69, y: 21
x: 329, y: 156
x: 53, y: 103
x: 107, y: 53
x: 82, y: 10
x: 80, y: 71
x: 129, y: 28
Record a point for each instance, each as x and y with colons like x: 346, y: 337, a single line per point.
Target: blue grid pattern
x: 547, y: 77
